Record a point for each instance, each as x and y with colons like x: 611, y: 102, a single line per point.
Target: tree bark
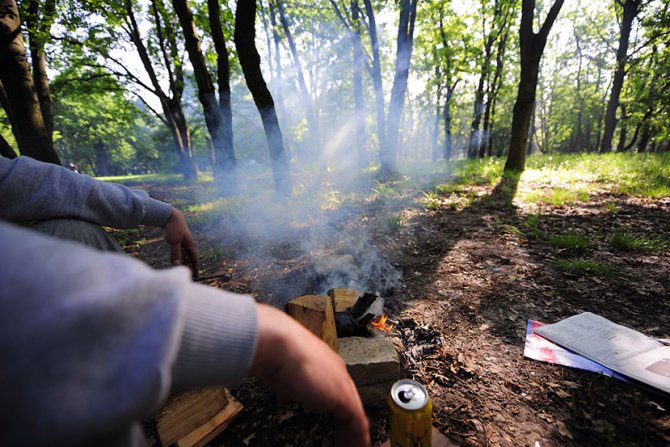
x: 38, y: 23
x: 532, y: 46
x: 172, y: 108
x: 630, y: 10
x: 28, y: 126
x: 447, y: 121
x: 245, y: 35
x: 313, y: 141
x: 405, y: 44
x: 376, y: 75
x: 359, y: 102
x: 225, y: 164
x: 6, y: 149
x: 223, y: 70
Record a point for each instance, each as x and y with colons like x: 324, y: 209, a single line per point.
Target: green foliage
x: 532, y: 222
x: 627, y: 240
x: 431, y: 200
x: 98, y: 128
x: 385, y: 189
x: 571, y: 241
x: 586, y: 266
x: 394, y: 223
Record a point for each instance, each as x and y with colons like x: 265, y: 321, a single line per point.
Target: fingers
x: 191, y: 256
x: 179, y: 238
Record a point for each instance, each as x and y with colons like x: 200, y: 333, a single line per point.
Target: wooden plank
x: 210, y: 429
x: 343, y: 299
x: 186, y: 412
x: 315, y: 312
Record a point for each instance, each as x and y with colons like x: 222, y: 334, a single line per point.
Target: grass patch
x: 556, y: 196
x: 533, y: 224
x: 570, y: 241
x: 626, y: 240
x: 142, y: 178
x: 394, y: 223
x: 586, y: 266
x: 611, y: 208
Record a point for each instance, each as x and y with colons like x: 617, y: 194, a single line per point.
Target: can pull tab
x: 406, y: 396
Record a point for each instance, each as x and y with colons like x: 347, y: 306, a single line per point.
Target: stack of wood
x: 194, y: 418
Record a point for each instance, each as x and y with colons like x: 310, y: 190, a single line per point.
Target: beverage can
x: 410, y: 414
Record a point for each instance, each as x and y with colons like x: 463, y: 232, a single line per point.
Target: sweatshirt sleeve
x: 91, y: 341
x: 33, y: 190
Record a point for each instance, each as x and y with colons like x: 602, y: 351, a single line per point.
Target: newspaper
x: 617, y: 347
x: 539, y: 348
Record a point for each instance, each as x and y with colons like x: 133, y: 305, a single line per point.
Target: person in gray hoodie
x: 92, y: 343
x: 68, y: 205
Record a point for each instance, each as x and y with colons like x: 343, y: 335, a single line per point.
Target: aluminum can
x: 410, y: 414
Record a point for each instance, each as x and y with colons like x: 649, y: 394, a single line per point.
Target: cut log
x: 343, y: 299
x: 194, y: 418
x: 315, y: 312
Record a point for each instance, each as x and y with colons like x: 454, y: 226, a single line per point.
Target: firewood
x: 315, y: 312
x: 343, y: 299
x: 193, y: 418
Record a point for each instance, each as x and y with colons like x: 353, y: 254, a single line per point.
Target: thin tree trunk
x: 223, y: 71
x: 313, y: 142
x: 532, y: 46
x: 38, y: 23
x: 623, y: 128
x: 630, y: 10
x: 359, y: 102
x: 225, y: 165
x: 6, y: 149
x: 28, y: 126
x: 438, y: 107
x: 173, y: 112
x: 489, y: 117
x: 447, y: 121
x: 376, y: 75
x: 405, y: 44
x: 245, y: 35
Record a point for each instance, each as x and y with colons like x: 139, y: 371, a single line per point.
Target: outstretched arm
x: 32, y: 190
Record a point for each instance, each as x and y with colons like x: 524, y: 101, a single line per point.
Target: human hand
x: 299, y: 367
x: 180, y: 240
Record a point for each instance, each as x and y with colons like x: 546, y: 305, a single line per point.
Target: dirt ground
x: 471, y: 278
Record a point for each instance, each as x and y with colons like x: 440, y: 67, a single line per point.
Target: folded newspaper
x: 617, y: 347
x: 539, y: 348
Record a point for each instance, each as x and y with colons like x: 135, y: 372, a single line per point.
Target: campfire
x: 353, y: 324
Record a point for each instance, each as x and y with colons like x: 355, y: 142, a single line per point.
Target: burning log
x: 315, y: 312
x: 353, y: 321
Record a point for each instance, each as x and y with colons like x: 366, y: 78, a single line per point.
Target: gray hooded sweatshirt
x: 92, y: 343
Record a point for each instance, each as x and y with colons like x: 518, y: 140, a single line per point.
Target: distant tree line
x: 188, y: 85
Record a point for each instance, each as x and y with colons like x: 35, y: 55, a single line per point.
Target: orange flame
x: 380, y: 323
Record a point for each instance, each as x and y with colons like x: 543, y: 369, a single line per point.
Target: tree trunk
x: 313, y: 141
x: 223, y: 70
x: 225, y: 165
x: 405, y: 44
x: 489, y: 116
x: 630, y: 10
x: 359, y: 102
x: 173, y: 112
x: 532, y: 46
x: 447, y: 121
x: 245, y: 35
x: 6, y: 149
x: 438, y: 107
x: 38, y: 24
x: 623, y: 131
x: 28, y: 126
x: 376, y: 75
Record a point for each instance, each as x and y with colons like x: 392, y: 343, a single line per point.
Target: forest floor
x: 473, y: 271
